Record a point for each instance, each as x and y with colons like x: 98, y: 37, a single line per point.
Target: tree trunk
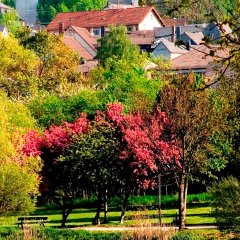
x: 124, y: 207
x: 105, y: 207
x: 183, y: 201
x: 96, y: 219
x: 65, y: 214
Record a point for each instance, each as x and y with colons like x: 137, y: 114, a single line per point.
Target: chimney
x: 102, y: 31
x: 178, y: 32
x: 173, y: 37
x: 61, y: 27
x: 188, y: 45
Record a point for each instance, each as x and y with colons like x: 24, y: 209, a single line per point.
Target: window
x: 96, y: 31
x: 130, y: 28
x: 70, y: 32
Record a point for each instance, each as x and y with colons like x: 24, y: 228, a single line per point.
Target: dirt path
x: 116, y: 229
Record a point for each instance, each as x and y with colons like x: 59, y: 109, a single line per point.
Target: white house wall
x: 4, y: 32
x: 149, y: 22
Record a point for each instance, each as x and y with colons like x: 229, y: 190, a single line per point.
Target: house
x: 3, y: 30
x: 198, y: 60
x: 215, y: 31
x: 143, y: 39
x: 192, y: 38
x: 168, y: 50
x: 4, y: 8
x: 174, y: 32
x: 81, y: 41
x: 114, y: 4
x: 97, y: 22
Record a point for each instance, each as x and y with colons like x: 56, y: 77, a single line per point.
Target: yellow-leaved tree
x: 19, y: 178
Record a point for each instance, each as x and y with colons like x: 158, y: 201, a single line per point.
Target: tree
x: 56, y: 6
x: 175, y: 139
x: 91, y: 157
x: 18, y: 69
x: 58, y: 68
x: 96, y: 154
x: 50, y: 109
x: 225, y: 206
x: 15, y: 120
x: 59, y: 180
x: 122, y: 75
x: 9, y: 2
x: 18, y: 189
x: 19, y: 178
x: 117, y: 45
x: 128, y: 83
x: 195, y: 119
x: 11, y: 20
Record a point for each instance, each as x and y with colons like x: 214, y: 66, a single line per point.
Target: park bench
x: 41, y: 220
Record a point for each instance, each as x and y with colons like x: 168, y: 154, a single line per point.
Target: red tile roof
x: 197, y: 58
x: 88, y: 66
x: 77, y: 47
x: 142, y: 37
x: 89, y: 19
x: 86, y: 36
x: 174, y: 21
x: 196, y: 37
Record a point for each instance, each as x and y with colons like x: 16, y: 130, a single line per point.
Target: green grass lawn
x: 196, y: 214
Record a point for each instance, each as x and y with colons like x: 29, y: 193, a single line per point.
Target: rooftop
x: 72, y: 43
x: 198, y: 58
x: 142, y: 37
x: 89, y: 19
x: 172, y: 47
x: 197, y: 37
x: 86, y: 36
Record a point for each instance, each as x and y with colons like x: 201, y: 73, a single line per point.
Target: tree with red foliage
x: 175, y: 139
x: 148, y: 148
x: 124, y: 151
x: 59, y: 182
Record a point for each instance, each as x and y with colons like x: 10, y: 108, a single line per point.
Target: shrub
x: 226, y: 204
x: 187, y: 236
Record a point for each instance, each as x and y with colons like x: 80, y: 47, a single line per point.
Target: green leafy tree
x: 11, y: 20
x: 18, y: 189
x: 128, y: 83
x: 96, y: 154
x: 9, y: 2
x: 195, y: 120
x: 117, y: 45
x: 51, y: 109
x: 122, y: 74
x: 226, y: 203
x: 56, y: 6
